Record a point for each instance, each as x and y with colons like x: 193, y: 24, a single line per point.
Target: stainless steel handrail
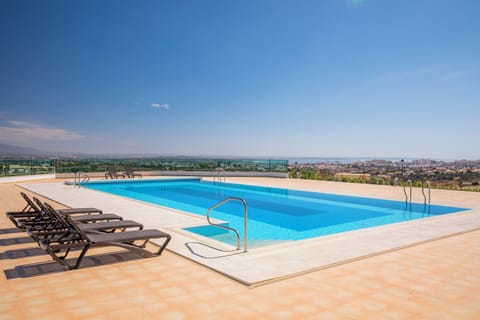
x: 404, y: 191
x: 423, y: 192
x: 75, y: 179
x: 78, y: 181
x: 219, y: 175
x: 245, y: 220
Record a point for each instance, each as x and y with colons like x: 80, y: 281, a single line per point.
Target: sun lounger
x: 113, y: 174
x: 59, y: 228
x: 84, y: 241
x: 97, y: 222
x: 29, y: 212
x: 73, y: 211
x: 80, y: 214
x: 49, y: 222
x: 130, y: 173
x: 33, y: 213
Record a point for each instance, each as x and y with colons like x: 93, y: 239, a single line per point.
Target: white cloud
x: 23, y: 124
x: 160, y: 106
x: 21, y: 131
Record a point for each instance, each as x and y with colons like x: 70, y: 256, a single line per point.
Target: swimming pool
x: 274, y: 214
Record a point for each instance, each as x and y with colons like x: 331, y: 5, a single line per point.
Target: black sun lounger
x: 113, y: 174
x: 130, y: 173
x: 52, y: 222
x: 29, y: 212
x: 77, y: 217
x: 59, y: 228
x: 70, y: 211
x: 95, y: 224
x: 84, y: 241
x: 34, y: 213
x: 82, y: 214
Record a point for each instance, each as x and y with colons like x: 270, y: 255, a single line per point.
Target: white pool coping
x: 284, y: 259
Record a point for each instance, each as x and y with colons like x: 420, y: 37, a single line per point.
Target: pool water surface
x: 274, y: 214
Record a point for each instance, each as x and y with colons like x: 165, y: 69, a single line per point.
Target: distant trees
x: 453, y: 180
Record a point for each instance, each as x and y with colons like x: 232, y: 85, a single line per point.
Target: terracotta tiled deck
x: 435, y: 280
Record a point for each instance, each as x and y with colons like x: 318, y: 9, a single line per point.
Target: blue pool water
x: 274, y: 214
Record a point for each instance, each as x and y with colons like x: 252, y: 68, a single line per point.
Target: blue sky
x: 321, y: 78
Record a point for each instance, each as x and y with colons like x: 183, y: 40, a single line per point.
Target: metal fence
x: 18, y: 167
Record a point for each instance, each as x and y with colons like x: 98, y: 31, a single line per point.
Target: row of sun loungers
x: 129, y: 172
x: 61, y: 231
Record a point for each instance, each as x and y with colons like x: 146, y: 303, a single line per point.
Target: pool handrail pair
x: 245, y: 221
x: 409, y: 182
x: 219, y: 175
x: 80, y: 179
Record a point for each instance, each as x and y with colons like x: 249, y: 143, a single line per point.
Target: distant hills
x: 7, y: 150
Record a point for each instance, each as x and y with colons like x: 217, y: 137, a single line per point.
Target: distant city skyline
x: 270, y: 78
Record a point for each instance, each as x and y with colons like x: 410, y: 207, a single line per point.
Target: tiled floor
x: 435, y: 280
x: 262, y: 264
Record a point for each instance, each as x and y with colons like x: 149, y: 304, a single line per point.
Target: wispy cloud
x: 20, y: 131
x: 446, y: 71
x: 164, y: 106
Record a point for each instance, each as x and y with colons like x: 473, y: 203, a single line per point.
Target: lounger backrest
x: 53, y: 214
x: 75, y: 227
x: 30, y: 203
x: 112, y: 170
x: 39, y: 204
x: 57, y: 215
x: 129, y: 169
x: 64, y: 220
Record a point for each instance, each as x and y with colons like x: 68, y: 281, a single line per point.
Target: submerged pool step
x: 209, y: 230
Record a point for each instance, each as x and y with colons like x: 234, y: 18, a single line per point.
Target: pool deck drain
x: 277, y: 261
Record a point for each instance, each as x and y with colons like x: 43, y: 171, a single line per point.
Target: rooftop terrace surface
x: 278, y: 259
x: 433, y: 280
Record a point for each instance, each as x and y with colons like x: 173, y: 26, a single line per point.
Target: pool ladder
x: 245, y: 220
x: 409, y: 182
x: 219, y: 175
x: 423, y: 192
x: 409, y: 200
x: 80, y: 179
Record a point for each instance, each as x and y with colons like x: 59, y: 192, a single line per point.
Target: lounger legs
x: 163, y: 246
x: 55, y: 249
x: 80, y: 257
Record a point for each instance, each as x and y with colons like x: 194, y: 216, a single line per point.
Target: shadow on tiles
x: 10, y: 230
x: 44, y: 268
x: 21, y: 253
x: 13, y: 241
